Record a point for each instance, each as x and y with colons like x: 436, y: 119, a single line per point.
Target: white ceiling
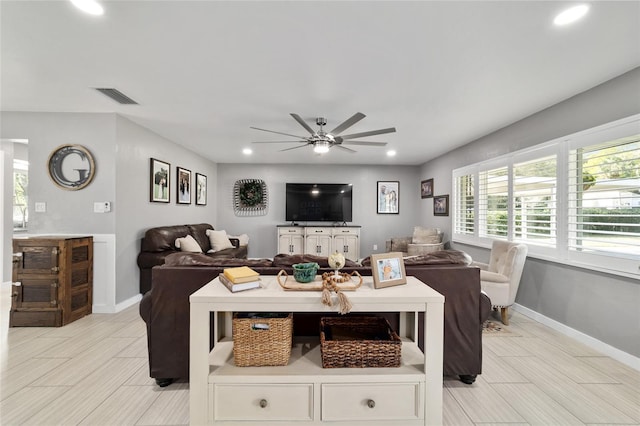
x: 443, y: 73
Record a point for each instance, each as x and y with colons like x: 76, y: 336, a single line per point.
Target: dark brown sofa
x: 159, y: 242
x: 165, y: 309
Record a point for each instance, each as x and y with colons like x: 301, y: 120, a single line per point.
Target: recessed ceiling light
x: 571, y: 15
x: 247, y: 151
x: 89, y: 6
x: 391, y: 153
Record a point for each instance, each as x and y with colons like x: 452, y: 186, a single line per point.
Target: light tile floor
x: 95, y: 372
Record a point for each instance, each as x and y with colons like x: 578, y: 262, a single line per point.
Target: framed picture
x: 426, y: 188
x: 441, y: 205
x: 201, y: 190
x: 388, y: 197
x: 159, y: 182
x: 183, y: 186
x: 388, y: 269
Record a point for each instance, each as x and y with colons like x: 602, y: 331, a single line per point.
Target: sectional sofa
x: 165, y: 307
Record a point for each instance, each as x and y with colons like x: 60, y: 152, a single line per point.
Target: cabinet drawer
x: 346, y: 231
x: 318, y: 231
x: 263, y: 402
x: 291, y: 231
x: 371, y: 401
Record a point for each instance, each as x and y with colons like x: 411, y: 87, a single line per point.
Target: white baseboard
x: 129, y: 302
x: 103, y: 309
x: 593, y: 343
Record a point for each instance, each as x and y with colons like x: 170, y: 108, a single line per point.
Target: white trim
x: 606, y: 349
x: 104, y: 277
x: 548, y: 256
x: 127, y: 303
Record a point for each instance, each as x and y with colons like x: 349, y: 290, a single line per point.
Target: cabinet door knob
x: 263, y: 403
x: 371, y: 403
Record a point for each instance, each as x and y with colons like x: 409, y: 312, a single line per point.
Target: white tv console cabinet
x: 302, y: 391
x: 320, y: 240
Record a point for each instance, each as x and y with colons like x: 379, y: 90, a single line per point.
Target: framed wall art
x: 201, y: 190
x: 388, y: 197
x: 388, y: 269
x: 183, y: 186
x: 426, y: 188
x: 441, y: 205
x: 159, y: 181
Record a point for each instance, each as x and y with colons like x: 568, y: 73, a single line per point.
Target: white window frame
x: 619, y: 264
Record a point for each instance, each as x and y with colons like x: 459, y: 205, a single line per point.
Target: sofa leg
x: 468, y: 379
x: 163, y: 383
x: 503, y: 315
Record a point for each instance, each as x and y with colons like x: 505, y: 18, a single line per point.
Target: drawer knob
x: 263, y: 403
x: 371, y: 403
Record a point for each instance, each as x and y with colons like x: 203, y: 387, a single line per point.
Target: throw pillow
x: 219, y: 240
x: 188, y: 243
x: 244, y: 239
x: 426, y: 235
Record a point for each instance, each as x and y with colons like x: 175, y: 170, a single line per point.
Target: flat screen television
x: 319, y: 202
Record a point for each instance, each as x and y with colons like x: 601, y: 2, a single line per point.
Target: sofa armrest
x: 493, y: 277
x: 482, y: 266
x: 147, y: 260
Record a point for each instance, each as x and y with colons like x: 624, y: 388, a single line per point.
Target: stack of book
x: 240, y: 278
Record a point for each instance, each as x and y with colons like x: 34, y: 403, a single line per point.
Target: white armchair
x: 500, y: 278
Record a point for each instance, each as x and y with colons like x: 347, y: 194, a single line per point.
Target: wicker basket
x: 358, y: 342
x: 261, y: 341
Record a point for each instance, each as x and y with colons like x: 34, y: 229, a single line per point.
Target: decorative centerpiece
x: 336, y: 261
x: 305, y: 272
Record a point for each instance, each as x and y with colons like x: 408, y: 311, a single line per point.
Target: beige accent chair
x: 500, y: 278
x: 424, y: 240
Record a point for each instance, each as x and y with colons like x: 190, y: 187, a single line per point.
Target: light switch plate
x: 101, y: 207
x: 41, y: 207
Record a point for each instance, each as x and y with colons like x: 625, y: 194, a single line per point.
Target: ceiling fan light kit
x: 323, y: 141
x: 321, y: 147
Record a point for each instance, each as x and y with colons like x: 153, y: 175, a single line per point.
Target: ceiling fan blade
x: 363, y: 134
x: 303, y: 124
x: 279, y: 133
x: 351, y: 151
x: 347, y: 123
x: 364, y: 143
x: 295, y: 147
x: 280, y: 142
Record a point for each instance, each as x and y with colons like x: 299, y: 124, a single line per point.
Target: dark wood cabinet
x: 52, y: 280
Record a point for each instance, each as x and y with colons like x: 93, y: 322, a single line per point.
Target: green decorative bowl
x: 305, y: 272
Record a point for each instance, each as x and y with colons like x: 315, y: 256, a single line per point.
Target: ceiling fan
x: 322, y: 141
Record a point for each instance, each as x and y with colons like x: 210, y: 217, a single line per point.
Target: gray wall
x: 121, y: 150
x: 67, y: 211
x: 376, y: 228
x: 600, y: 305
x: 134, y: 212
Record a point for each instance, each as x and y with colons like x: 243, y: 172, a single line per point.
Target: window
x: 573, y: 200
x: 464, y: 212
x: 493, y: 202
x: 534, y: 195
x: 604, y: 197
x: 20, y: 194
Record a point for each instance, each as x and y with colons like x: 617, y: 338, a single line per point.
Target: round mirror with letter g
x: 71, y: 167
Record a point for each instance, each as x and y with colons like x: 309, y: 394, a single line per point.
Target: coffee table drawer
x: 263, y: 402
x: 372, y: 401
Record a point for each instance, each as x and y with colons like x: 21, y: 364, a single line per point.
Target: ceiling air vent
x: 117, y: 96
